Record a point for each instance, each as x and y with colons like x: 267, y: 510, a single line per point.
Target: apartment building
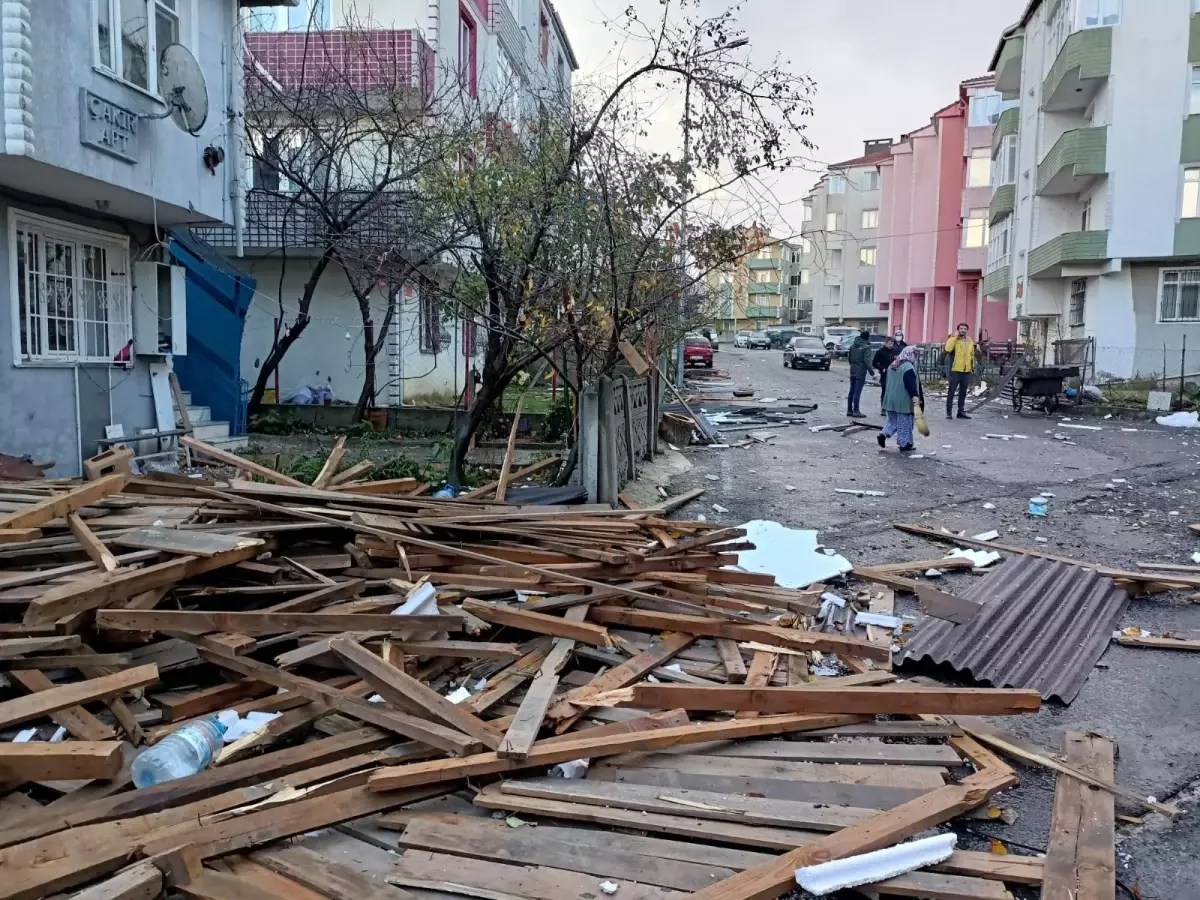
x: 841, y: 232
x: 93, y: 169
x: 511, y: 56
x: 935, y: 218
x: 756, y: 292
x: 1095, y: 210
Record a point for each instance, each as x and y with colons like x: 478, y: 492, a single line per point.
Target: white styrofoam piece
x: 421, y: 602
x: 879, y: 865
x: 238, y: 727
x: 880, y: 619
x: 526, y: 596
x: 576, y: 768
x: 839, y: 602
x: 25, y: 736
x: 458, y: 695
x: 987, y: 536
x: 790, y: 554
x: 981, y: 558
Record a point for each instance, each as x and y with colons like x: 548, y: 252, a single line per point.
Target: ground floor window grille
x: 1078, y: 301
x: 1180, y: 296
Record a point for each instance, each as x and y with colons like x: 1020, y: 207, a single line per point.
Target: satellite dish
x: 181, y: 84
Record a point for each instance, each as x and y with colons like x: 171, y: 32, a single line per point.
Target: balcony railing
x: 756, y: 288
x: 1004, y: 201
x: 1008, y: 124
x: 762, y: 312
x: 1073, y: 162
x: 1008, y: 67
x: 1071, y: 248
x: 757, y: 263
x: 1082, y: 65
x: 997, y: 284
x: 510, y: 36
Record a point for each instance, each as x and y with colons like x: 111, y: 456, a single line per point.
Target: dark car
x: 780, y: 337
x: 697, y: 351
x: 807, y: 353
x: 758, y: 340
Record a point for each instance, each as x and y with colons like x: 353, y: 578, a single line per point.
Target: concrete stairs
x: 205, y: 429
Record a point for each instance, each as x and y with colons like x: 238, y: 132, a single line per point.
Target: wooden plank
x: 14, y: 647
x: 583, y: 747
x: 731, y: 659
x: 818, y: 698
x: 59, y: 506
x: 210, y: 699
x: 741, y: 631
x: 1160, y: 643
x: 257, y: 875
x: 510, y: 449
x: 355, y: 471
x: 762, y: 670
x: 1081, y: 854
x: 172, y: 540
x: 401, y: 689
x: 252, y: 623
x: 883, y: 775
x: 214, y: 453
x: 459, y: 649
x: 539, y: 623
x: 19, y: 535
x: 92, y: 545
x: 777, y: 877
x: 323, y: 874
x: 213, y: 885
x: 531, y: 469
x: 384, y: 486
x: 392, y: 720
x: 935, y: 886
x: 142, y: 881
x: 63, y: 761
x: 848, y: 752
x: 53, y: 662
x: 329, y: 469
x: 64, y: 696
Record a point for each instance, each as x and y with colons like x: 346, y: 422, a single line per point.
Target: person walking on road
x: 960, y: 354
x: 860, y: 357
x: 884, y: 357
x: 902, y: 392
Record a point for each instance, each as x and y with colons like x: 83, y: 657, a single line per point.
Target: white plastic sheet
x: 790, y: 554
x: 1180, y: 420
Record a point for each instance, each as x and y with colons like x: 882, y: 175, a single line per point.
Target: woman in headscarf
x: 902, y: 391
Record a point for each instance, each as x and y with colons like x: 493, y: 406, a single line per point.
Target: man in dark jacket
x: 882, y: 360
x: 861, y: 356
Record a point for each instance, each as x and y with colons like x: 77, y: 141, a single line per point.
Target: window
x: 866, y: 256
x: 804, y: 276
x: 1194, y: 97
x: 1078, y: 299
x: 1191, y: 193
x: 837, y: 184
x: 985, y: 109
x: 543, y: 37
x: 835, y: 295
x: 975, y: 229
x: 764, y: 276
x: 794, y: 280
x: 866, y: 293
x: 1004, y: 167
x: 429, y: 322
x: 979, y: 169
x: 806, y: 244
x: 132, y: 34
x: 808, y: 212
x: 1085, y: 217
x: 467, y: 71
x: 999, y: 246
x: 833, y: 221
x: 1180, y: 296
x: 72, y: 291
x: 1062, y: 23
x: 870, y: 218
x: 308, y: 15
x: 1098, y: 13
x: 764, y: 253
x: 835, y: 259
x: 564, y: 74
x: 871, y: 181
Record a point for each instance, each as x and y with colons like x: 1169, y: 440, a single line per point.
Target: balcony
x: 1008, y: 124
x: 1004, y: 201
x: 762, y: 312
x: 998, y: 283
x: 1008, y: 67
x: 756, y: 288
x: 365, y: 219
x: 511, y: 38
x: 1083, y: 64
x: 326, y: 65
x: 1074, y: 162
x: 1072, y: 248
x: 757, y: 263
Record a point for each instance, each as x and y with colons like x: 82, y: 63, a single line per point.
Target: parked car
x: 714, y: 339
x: 833, y: 336
x: 742, y: 338
x: 807, y: 353
x: 758, y: 340
x: 697, y: 351
x: 779, y: 337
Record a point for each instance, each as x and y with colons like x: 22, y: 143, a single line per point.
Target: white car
x: 742, y: 339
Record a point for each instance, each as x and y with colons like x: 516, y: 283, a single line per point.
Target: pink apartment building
x: 933, y: 241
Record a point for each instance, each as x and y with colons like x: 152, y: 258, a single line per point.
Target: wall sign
x: 106, y: 127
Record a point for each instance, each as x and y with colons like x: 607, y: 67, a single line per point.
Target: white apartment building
x: 1095, y: 215
x: 509, y: 55
x: 840, y: 243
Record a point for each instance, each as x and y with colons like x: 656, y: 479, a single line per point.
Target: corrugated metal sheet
x: 1044, y: 624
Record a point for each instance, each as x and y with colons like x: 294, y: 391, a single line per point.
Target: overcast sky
x: 882, y: 67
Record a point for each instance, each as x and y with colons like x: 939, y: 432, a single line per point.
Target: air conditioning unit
x: 159, y: 309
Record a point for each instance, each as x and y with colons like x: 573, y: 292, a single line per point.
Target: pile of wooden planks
x: 409, y: 650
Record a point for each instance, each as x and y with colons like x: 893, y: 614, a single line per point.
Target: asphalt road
x: 1146, y: 700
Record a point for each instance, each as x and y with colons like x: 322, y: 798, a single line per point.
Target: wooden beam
x: 19, y: 535
x: 211, y: 699
x: 252, y: 623
x: 531, y: 469
x: 548, y: 754
x: 63, y: 761
x: 14, y: 647
x: 141, y: 881
x: 459, y: 649
x: 402, y: 690
x: 331, y: 464
x: 92, y: 545
x: 34, y: 706
x: 538, y: 623
x: 355, y: 471
x: 385, y: 486
x: 762, y: 669
x: 819, y: 698
x: 237, y: 462
x: 50, y: 663
x: 731, y: 659
x: 1081, y: 855
x: 741, y: 631
x: 59, y: 506
x: 1160, y: 643
x: 80, y: 723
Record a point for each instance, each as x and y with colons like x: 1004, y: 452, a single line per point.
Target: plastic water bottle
x: 185, y: 752
x: 1038, y: 506
x: 447, y: 492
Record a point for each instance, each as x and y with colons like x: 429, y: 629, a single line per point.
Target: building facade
x: 935, y: 219
x: 1095, y: 210
x: 93, y: 168
x: 755, y: 293
x: 841, y: 242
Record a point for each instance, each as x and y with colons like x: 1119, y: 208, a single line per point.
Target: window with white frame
x: 1078, y: 302
x: 72, y: 297
x: 983, y: 109
x: 1179, y: 299
x: 979, y: 168
x: 1194, y: 93
x: 804, y: 276
x: 999, y: 246
x: 866, y: 293
x: 808, y: 212
x: 835, y: 260
x: 870, y: 218
x: 1004, y: 167
x: 870, y: 181
x: 833, y: 222
x: 1099, y: 13
x: 130, y: 36
x: 1191, y: 193
x: 764, y: 253
x: 1062, y: 23
x: 1085, y: 216
x: 764, y: 276
x: 835, y: 295
x: 975, y: 228
x: 837, y: 184
x: 866, y: 256
x: 806, y: 244
x: 1196, y: 6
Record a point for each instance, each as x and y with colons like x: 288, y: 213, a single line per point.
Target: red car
x: 697, y: 351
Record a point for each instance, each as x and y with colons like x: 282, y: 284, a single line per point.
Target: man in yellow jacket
x: 960, y: 353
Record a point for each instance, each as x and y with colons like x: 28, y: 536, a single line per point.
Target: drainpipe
x: 237, y: 134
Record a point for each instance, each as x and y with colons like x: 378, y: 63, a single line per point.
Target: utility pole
x: 683, y: 232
